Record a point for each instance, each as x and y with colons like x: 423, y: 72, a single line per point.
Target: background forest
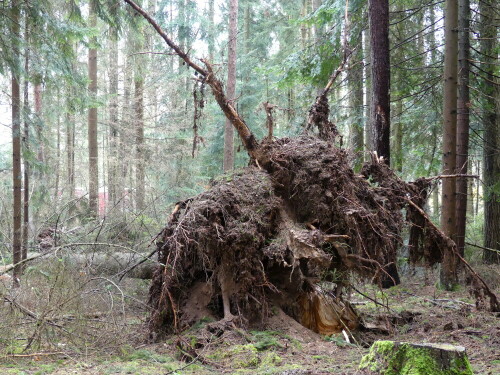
x: 104, y: 129
x: 158, y: 138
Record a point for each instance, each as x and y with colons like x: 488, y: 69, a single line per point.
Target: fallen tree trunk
x: 97, y: 263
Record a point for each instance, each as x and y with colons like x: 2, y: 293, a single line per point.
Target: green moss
x: 405, y: 359
x: 238, y: 356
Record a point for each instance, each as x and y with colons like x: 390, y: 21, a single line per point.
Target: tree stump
x: 400, y: 358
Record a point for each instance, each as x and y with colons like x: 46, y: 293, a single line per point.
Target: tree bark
x: 37, y: 93
x: 139, y: 140
x: 70, y: 145
x: 16, y: 144
x: 380, y: 112
x: 368, y: 96
x: 92, y: 121
x: 355, y: 83
x: 211, y: 31
x: 491, y: 143
x: 462, y: 122
x: 58, y: 153
x: 113, y: 118
x: 26, y: 143
x: 448, y: 275
x: 228, y: 162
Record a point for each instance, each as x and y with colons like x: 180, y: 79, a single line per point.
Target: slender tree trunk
x: 126, y: 125
x: 228, y: 162
x: 16, y: 145
x: 58, y: 153
x: 397, y: 125
x: 26, y: 142
x: 139, y: 141
x: 380, y: 62
x: 92, y: 122
x: 37, y: 93
x: 368, y: 96
x: 211, y: 31
x: 70, y: 149
x: 491, y: 144
x: 448, y: 220
x: 113, y: 119
x: 303, y: 27
x: 355, y: 83
x: 397, y: 144
x: 462, y: 121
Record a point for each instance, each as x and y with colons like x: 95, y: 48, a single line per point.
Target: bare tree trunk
x: 491, y: 144
x: 380, y: 62
x: 37, y: 93
x: 126, y: 124
x: 70, y: 143
x: 368, y: 96
x: 58, y: 153
x: 113, y: 119
x: 92, y: 123
x: 462, y: 122
x: 16, y: 146
x: 26, y: 142
x: 448, y: 275
x: 211, y: 31
x: 355, y: 82
x: 397, y: 125
x: 228, y: 162
x: 139, y: 141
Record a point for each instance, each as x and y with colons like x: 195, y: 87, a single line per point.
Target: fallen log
x: 95, y: 263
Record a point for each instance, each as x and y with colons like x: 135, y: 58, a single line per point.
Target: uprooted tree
x: 290, y: 230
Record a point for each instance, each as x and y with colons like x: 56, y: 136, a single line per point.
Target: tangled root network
x: 286, y: 233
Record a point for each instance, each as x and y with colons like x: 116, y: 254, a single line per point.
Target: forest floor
x: 419, y: 312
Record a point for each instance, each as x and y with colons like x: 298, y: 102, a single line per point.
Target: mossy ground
x: 280, y: 348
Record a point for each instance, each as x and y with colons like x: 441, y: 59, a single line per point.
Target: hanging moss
x: 393, y: 358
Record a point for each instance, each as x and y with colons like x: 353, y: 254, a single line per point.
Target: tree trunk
x: 368, y: 95
x: 397, y: 126
x: 211, y: 31
x: 380, y: 112
x: 228, y: 162
x: 37, y: 93
x: 113, y: 119
x: 355, y: 83
x: 489, y: 53
x: 16, y: 145
x: 92, y: 121
x: 462, y: 122
x: 448, y: 223
x: 26, y: 142
x: 58, y: 153
x: 70, y: 146
x: 139, y: 140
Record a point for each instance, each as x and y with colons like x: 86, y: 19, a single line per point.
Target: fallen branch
x: 482, y: 247
x: 36, y: 354
x: 227, y: 106
x: 450, y: 176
